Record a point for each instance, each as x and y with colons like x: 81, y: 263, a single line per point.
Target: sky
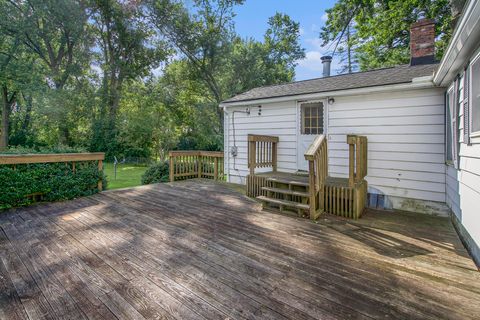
x: 252, y: 17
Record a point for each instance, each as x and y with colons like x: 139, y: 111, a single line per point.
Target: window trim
x: 474, y: 135
x: 450, y: 97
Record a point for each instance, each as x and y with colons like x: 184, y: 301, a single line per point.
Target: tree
x: 282, y: 47
x: 55, y: 31
x: 381, y: 28
x: 126, y: 53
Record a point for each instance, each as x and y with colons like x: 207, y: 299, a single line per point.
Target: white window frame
x: 450, y: 97
x: 302, y: 117
x: 474, y: 136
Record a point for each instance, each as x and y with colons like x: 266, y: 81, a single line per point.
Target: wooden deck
x: 199, y: 250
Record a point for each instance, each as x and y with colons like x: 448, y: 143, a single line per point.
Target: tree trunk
x: 5, y: 119
x: 349, y: 53
x: 456, y: 7
x: 28, y: 114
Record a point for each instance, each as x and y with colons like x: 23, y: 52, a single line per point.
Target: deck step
x: 287, y: 191
x: 288, y: 181
x: 286, y: 203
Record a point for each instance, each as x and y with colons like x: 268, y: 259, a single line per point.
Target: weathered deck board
x: 199, y: 250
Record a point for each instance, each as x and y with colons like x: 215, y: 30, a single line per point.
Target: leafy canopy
x: 381, y: 37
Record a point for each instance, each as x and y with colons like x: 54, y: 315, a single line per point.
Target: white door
x: 311, y: 119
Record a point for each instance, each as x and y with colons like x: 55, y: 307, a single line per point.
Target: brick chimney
x: 422, y: 42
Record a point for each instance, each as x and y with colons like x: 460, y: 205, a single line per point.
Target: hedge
x: 156, y: 173
x: 53, y: 181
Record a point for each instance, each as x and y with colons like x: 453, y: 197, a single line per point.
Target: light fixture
x: 331, y: 100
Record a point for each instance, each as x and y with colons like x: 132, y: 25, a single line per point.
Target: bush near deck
x: 54, y: 181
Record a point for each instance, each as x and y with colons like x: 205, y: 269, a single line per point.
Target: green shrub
x: 156, y: 173
x: 53, y: 181
x: 42, y: 150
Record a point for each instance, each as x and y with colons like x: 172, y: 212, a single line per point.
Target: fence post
x: 312, y: 188
x: 215, y: 169
x: 170, y: 157
x: 199, y: 164
x: 100, y: 169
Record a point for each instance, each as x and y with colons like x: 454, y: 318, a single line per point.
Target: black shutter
x: 466, y: 109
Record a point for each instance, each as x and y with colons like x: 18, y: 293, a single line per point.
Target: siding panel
x: 405, y: 133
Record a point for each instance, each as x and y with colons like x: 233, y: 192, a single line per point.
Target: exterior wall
x: 463, y: 196
x: 405, y: 131
x: 276, y: 119
x: 463, y: 186
x: 406, y: 151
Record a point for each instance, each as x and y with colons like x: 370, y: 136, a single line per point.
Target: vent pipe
x: 326, y: 61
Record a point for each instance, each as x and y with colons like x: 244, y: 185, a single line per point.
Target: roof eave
x: 416, y: 83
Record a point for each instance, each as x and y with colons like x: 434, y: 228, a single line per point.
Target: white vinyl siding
x: 463, y: 180
x: 463, y: 189
x: 276, y: 119
x: 406, y: 150
x: 405, y: 130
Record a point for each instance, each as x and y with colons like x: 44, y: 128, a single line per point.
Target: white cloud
x: 324, y: 17
x: 315, y: 43
x: 311, y: 66
x: 301, y: 31
x: 312, y: 61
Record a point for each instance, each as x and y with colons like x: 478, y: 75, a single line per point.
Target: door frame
x: 298, y: 122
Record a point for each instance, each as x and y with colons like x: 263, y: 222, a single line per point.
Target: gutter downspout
x: 226, y: 141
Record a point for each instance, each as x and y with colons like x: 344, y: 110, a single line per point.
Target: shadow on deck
x: 198, y: 249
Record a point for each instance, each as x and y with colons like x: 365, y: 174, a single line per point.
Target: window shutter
x: 466, y: 109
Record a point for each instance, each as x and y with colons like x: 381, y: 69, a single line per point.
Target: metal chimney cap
x: 326, y: 58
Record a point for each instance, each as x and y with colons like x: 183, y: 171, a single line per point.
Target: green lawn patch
x: 128, y: 175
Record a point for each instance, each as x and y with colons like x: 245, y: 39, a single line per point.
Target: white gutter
x: 465, y: 40
x: 417, y: 83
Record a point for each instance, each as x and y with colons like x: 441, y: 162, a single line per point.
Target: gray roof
x: 378, y: 77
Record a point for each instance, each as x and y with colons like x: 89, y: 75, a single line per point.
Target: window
x: 312, y: 118
x: 475, y: 96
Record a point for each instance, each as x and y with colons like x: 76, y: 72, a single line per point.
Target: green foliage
x: 131, y: 78
x: 41, y: 150
x: 156, y: 173
x: 55, y: 181
x: 381, y: 28
x: 128, y: 175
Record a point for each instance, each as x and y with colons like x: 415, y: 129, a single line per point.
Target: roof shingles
x: 378, y: 77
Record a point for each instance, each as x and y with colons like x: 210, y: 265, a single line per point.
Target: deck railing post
x: 252, y: 148
x: 312, y: 188
x: 170, y: 157
x: 351, y: 164
x: 199, y: 165
x: 215, y: 169
x: 274, y: 156
x: 100, y: 169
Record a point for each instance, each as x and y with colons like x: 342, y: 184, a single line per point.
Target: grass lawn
x: 128, y: 175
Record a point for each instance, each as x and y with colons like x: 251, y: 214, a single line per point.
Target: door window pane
x: 312, y: 118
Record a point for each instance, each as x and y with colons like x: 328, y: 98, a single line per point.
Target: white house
x: 423, y: 153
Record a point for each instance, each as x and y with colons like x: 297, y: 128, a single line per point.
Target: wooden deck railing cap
x: 257, y: 137
x: 312, y: 149
x: 51, y: 157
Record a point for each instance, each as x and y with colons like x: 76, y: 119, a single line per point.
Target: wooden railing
x: 357, y: 147
x: 72, y: 158
x: 262, y: 152
x: 196, y: 164
x: 317, y: 157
